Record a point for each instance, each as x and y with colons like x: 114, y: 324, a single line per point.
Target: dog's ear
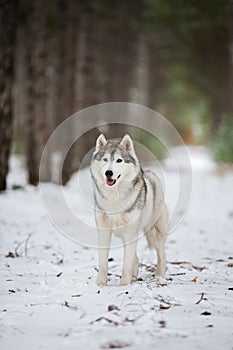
x: 100, y: 142
x: 127, y: 143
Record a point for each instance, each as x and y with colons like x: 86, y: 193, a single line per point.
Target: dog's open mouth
x: 111, y: 182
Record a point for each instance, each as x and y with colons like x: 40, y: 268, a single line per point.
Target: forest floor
x: 49, y: 299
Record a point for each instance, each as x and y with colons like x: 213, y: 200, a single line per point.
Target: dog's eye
x: 105, y: 159
x: 119, y: 160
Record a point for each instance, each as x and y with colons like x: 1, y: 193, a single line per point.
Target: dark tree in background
x: 69, y: 15
x: 8, y: 13
x: 119, y: 47
x: 174, y: 57
x: 197, y: 37
x: 37, y: 119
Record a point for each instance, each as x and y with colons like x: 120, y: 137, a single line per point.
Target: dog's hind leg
x: 135, y: 268
x: 161, y: 227
x: 156, y: 238
x: 160, y: 240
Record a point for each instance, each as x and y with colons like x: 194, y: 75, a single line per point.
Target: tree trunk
x: 119, y: 50
x: 37, y: 121
x: 8, y: 22
x: 69, y: 27
x: 151, y: 70
x: 231, y: 35
x: 221, y: 90
x: 90, y: 33
x: 212, y: 58
x: 118, y: 55
x: 143, y: 72
x: 20, y: 97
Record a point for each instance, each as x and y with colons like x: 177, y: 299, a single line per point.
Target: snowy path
x: 49, y: 299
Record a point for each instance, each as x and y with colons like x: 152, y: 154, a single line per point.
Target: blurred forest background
x: 59, y: 56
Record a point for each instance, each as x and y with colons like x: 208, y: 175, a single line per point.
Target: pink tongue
x: 110, y: 182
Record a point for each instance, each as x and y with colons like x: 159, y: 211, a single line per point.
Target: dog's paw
x: 161, y: 281
x: 125, y: 281
x: 101, y: 281
x: 134, y: 278
x: 161, y: 269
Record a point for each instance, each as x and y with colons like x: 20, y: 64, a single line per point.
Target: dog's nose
x: 109, y: 173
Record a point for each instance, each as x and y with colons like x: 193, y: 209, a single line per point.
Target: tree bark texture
x: 69, y: 13
x: 37, y: 121
x: 8, y: 13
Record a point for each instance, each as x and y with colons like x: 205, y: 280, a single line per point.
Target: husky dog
x: 128, y: 201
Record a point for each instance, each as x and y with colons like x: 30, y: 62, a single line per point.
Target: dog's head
x: 114, y: 160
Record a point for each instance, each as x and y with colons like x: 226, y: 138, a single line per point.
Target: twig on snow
x: 25, y: 241
x: 106, y: 319
x: 26, y: 244
x: 201, y: 298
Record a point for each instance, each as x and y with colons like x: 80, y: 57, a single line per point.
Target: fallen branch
x: 198, y: 268
x: 178, y: 262
x: 201, y: 298
x: 26, y: 244
x: 164, y: 307
x: 25, y: 241
x: 106, y: 319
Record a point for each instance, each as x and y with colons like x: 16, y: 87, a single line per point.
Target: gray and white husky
x: 128, y: 201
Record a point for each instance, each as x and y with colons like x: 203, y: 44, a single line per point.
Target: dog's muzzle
x: 109, y: 180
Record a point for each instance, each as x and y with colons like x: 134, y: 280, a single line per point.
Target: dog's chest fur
x: 125, y: 207
x: 115, y: 209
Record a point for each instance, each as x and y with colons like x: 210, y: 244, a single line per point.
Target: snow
x: 49, y: 299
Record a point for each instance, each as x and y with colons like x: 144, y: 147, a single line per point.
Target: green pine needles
x: 222, y: 144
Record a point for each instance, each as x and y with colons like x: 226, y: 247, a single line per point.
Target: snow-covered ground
x: 49, y: 299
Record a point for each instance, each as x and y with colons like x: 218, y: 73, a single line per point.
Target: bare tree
x: 8, y: 13
x: 90, y: 23
x: 37, y: 121
x: 120, y: 42
x: 68, y: 40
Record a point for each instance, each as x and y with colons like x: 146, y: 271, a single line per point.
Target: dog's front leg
x: 104, y: 241
x: 130, y: 245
